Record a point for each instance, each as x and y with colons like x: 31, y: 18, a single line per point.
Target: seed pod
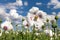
x: 47, y: 20
x: 35, y: 18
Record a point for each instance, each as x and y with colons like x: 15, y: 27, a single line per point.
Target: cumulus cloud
x: 12, y: 16
x: 53, y: 13
x: 56, y: 3
x: 2, y: 10
x: 38, y: 3
x: 14, y: 4
x: 17, y: 3
x: 14, y: 13
x: 26, y: 3
x: 3, y: 13
x: 59, y: 14
x: 15, y: 17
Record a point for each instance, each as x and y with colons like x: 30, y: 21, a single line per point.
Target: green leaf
x: 0, y: 21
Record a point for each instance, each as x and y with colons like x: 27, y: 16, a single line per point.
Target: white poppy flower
x: 58, y: 15
x: 50, y: 17
x: 39, y: 24
x: 25, y: 23
x: 30, y: 18
x: 33, y: 10
x: 41, y: 14
x: 7, y: 25
x: 47, y: 31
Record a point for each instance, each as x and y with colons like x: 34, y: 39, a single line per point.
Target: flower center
x: 40, y: 15
x: 5, y: 28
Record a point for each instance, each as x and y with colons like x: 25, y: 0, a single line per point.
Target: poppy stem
x: 54, y: 33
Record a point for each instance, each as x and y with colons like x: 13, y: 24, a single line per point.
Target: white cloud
x: 14, y: 4
x: 38, y: 3
x: 58, y: 14
x: 12, y: 16
x: 57, y: 6
x: 26, y: 3
x: 54, y: 13
x: 56, y: 3
x: 2, y: 10
x: 10, y: 6
x: 19, y: 3
x: 15, y: 17
x: 13, y: 12
x: 3, y: 13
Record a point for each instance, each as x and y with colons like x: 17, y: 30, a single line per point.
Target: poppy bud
x: 0, y: 21
x: 47, y: 20
x: 43, y: 26
x: 54, y: 25
x: 56, y: 17
x: 22, y: 19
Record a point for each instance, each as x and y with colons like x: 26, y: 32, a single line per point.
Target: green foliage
x: 18, y: 35
x: 0, y: 21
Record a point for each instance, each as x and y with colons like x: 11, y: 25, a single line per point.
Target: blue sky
x: 43, y: 6
x: 48, y: 6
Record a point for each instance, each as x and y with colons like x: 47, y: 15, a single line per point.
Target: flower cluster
x: 37, y: 25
